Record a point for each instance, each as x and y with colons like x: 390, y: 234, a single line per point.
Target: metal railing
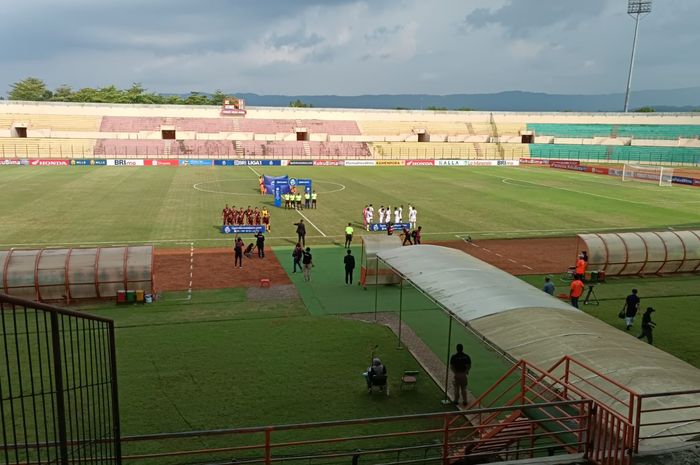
x: 58, y: 386
x: 422, y: 438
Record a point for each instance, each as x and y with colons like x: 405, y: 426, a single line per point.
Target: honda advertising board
x: 49, y: 162
x: 359, y: 163
x: 129, y: 162
x: 420, y: 162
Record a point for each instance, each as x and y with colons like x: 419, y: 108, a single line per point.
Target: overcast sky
x: 349, y: 47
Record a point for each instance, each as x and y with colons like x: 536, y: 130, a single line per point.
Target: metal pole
x: 376, y: 286
x: 634, y: 52
x: 446, y: 400
x: 116, y: 421
x: 400, y: 312
x: 58, y: 384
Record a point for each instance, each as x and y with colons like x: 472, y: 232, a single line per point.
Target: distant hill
x: 675, y: 100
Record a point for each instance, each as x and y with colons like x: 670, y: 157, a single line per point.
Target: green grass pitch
x: 87, y: 205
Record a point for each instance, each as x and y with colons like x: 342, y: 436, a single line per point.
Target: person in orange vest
x: 261, y: 181
x: 576, y: 290
x: 581, y: 264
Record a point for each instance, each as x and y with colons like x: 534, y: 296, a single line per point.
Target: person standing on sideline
x: 581, y: 265
x: 460, y: 364
x: 406, y: 236
x: 307, y: 199
x: 314, y: 197
x: 400, y: 214
x: 397, y: 215
x: 260, y: 245
x: 301, y: 232
x: 348, y: 235
x: 548, y: 285
x: 647, y: 326
x: 630, y: 308
x: 349, y: 261
x: 413, y: 217
x: 576, y: 290
x: 307, y: 261
x: 416, y: 234
x: 238, y: 253
x: 296, y: 255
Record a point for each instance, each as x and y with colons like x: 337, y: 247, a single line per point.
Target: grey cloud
x: 520, y: 18
x: 383, y: 32
x: 297, y: 39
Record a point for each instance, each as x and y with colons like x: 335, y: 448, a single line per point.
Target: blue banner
x: 242, y: 229
x: 223, y: 163
x: 100, y: 162
x: 256, y: 162
x: 195, y: 162
x: 682, y: 180
x: 398, y: 227
x: 82, y: 162
x: 302, y: 184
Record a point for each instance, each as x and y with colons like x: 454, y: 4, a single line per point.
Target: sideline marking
x: 309, y: 221
x: 253, y: 170
x: 505, y: 180
x: 189, y: 291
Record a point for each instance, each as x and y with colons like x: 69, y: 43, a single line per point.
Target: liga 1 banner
x: 377, y: 227
x: 245, y: 229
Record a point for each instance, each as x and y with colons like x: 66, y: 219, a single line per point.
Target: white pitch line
x: 512, y: 261
x: 309, y: 221
x: 189, y: 291
x: 253, y: 170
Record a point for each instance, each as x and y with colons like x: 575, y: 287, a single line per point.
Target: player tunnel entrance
x: 302, y: 134
x: 19, y: 130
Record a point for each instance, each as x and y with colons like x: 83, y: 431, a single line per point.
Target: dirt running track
x: 213, y: 269
x: 523, y: 256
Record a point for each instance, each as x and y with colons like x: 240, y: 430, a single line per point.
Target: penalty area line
x: 253, y: 170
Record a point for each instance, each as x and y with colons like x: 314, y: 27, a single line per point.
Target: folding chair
x: 409, y: 378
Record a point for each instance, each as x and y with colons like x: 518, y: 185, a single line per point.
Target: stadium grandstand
x: 74, y: 131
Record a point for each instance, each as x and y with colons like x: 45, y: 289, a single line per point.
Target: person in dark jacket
x: 647, y: 326
x: 238, y: 253
x: 301, y: 232
x: 260, y: 245
x: 460, y: 364
x: 296, y: 255
x: 375, y: 373
x: 349, y: 267
x: 307, y: 261
x: 630, y: 308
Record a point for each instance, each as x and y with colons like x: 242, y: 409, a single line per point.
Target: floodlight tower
x: 636, y: 9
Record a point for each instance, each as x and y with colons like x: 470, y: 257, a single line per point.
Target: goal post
x: 662, y: 175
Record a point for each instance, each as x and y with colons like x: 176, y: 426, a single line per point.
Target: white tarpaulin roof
x: 464, y: 285
x: 529, y: 324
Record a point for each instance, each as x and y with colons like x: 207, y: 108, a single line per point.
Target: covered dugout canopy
x: 647, y: 252
x: 372, y: 271
x: 67, y: 274
x: 526, y: 323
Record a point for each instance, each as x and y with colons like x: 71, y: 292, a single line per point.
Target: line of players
x: 246, y: 217
x: 385, y: 215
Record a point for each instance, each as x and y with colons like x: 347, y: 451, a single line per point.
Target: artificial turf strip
x: 327, y: 294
